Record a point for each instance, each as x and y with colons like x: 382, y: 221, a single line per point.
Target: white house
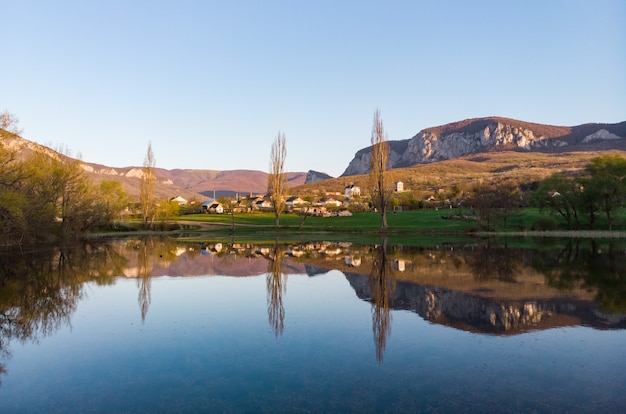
x: 399, y: 265
x: 212, y: 206
x: 180, y: 200
x: 329, y: 202
x: 352, y: 190
x: 295, y: 201
x: 262, y: 204
x: 399, y: 187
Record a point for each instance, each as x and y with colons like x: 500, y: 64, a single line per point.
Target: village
x: 329, y: 205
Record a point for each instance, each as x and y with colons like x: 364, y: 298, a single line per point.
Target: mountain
x: 187, y: 183
x: 193, y: 183
x: 477, y: 135
x: 450, y: 142
x: 315, y: 176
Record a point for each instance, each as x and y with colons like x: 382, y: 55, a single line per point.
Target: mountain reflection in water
x: 125, y: 326
x: 477, y: 287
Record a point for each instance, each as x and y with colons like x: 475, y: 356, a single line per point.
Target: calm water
x: 163, y: 326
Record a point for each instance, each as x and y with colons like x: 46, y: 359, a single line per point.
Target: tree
x: 483, y: 202
x: 561, y: 194
x: 146, y: 191
x: 230, y: 206
x: 607, y: 178
x: 277, y: 179
x: 382, y: 289
x: 114, y: 200
x: 276, y: 287
x: 9, y: 122
x: 380, y: 181
x: 166, y: 210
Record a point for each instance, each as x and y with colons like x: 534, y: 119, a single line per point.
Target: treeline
x: 46, y: 197
x: 591, y: 198
x: 580, y: 199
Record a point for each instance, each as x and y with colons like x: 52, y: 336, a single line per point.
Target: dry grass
x: 488, y: 167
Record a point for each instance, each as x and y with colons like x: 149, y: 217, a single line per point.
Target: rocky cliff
x: 475, y: 313
x: 486, y: 134
x: 315, y: 176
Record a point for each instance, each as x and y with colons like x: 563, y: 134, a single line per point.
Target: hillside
x: 489, y: 149
x: 199, y: 184
x: 464, y: 172
x: 481, y: 135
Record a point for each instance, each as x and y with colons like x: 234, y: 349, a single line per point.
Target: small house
x: 180, y: 200
x: 352, y: 190
x: 294, y: 201
x: 262, y: 204
x: 212, y: 207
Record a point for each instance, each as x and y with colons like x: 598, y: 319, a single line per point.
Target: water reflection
x: 276, y: 283
x: 382, y: 287
x: 478, y: 286
x: 591, y: 265
x: 144, y: 275
x: 489, y: 262
x: 39, y: 290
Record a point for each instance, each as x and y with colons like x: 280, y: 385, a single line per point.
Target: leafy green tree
x: 167, y: 210
x: 560, y: 194
x: 46, y: 194
x: 607, y: 179
x: 114, y: 200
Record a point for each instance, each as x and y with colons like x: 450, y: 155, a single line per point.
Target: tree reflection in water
x: 382, y: 287
x: 276, y: 285
x: 150, y: 252
x: 144, y: 275
x: 495, y: 263
x: 39, y: 291
x: 598, y: 265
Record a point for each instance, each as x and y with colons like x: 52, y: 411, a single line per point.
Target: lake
x: 162, y: 325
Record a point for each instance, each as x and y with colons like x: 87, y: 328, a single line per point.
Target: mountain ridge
x: 430, y: 145
x: 476, y: 135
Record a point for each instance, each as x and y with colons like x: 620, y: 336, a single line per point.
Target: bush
x: 545, y: 223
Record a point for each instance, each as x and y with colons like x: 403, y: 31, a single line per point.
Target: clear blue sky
x: 210, y: 83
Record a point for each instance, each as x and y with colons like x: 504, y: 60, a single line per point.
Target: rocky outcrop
x: 315, y: 176
x: 480, y: 314
x: 481, y: 134
x: 362, y: 160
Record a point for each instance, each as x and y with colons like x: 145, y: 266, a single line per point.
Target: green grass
x: 535, y: 219
x: 420, y: 227
x: 423, y: 221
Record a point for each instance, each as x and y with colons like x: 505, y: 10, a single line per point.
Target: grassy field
x: 425, y: 222
x: 409, y: 228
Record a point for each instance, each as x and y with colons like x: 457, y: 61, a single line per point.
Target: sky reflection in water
x: 208, y: 344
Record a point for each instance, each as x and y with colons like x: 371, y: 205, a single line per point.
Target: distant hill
x: 199, y: 184
x: 478, y: 135
x: 507, y: 147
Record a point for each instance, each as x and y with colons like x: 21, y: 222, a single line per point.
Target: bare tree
x: 277, y: 179
x: 146, y: 191
x: 380, y: 180
x: 9, y: 122
x: 276, y: 285
x: 382, y: 288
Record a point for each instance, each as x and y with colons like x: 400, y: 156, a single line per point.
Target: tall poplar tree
x: 380, y: 180
x: 146, y: 191
x: 277, y: 179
